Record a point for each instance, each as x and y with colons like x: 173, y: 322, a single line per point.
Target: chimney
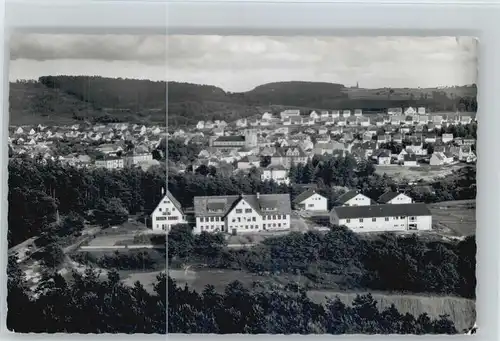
x: 258, y: 195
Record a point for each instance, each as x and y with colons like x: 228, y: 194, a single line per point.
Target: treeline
x: 118, y: 260
x: 342, y: 258
x: 38, y: 193
x: 242, y: 311
x: 85, y: 304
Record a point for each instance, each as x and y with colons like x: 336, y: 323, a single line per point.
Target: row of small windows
x: 212, y: 227
x: 172, y: 217
x: 238, y: 219
x: 160, y: 209
x: 385, y: 219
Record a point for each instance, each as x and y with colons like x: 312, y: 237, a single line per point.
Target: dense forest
x: 98, y: 99
x: 87, y: 304
x: 249, y: 311
x: 341, y: 259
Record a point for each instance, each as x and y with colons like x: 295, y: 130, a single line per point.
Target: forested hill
x: 65, y: 99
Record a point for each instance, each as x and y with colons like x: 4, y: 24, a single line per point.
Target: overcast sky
x: 239, y: 63
x: 126, y: 56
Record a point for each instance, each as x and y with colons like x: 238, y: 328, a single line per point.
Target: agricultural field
x: 454, y: 217
x: 423, y: 172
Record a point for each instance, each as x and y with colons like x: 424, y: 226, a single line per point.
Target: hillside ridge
x: 94, y: 99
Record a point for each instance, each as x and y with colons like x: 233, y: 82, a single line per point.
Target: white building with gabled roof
x: 168, y: 213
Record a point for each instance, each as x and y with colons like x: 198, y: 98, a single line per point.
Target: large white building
x: 237, y: 214
x: 167, y: 213
x: 109, y: 162
x: 310, y: 200
x: 383, y: 218
x: 277, y: 173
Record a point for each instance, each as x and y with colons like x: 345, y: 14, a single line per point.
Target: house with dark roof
x: 390, y: 197
x: 243, y: 213
x: 310, y: 200
x: 354, y: 198
x: 167, y: 213
x: 383, y: 218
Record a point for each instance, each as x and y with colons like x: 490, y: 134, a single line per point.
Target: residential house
x: 421, y: 110
x: 109, y: 162
x: 324, y: 114
x: 341, y: 122
x: 346, y: 113
x: 353, y: 198
x: 466, y: 154
x: 438, y: 121
x: 364, y: 121
x: 395, y: 111
x: 286, y: 114
x: 267, y: 116
x: 394, y: 198
x: 288, y: 155
x: 383, y: 218
x: 328, y: 148
x: 468, y: 142
x: 248, y: 162
x: 397, y: 138
x: 242, y: 122
x: 430, y: 138
x: 358, y: 112
x: 325, y: 138
x: 410, y: 160
x: 314, y: 115
x: 416, y: 148
x: 137, y: 156
x: 277, y: 173
x: 310, y: 200
x: 401, y: 156
x: 465, y: 119
x: 440, y: 158
x: 410, y: 111
x: 237, y: 214
x: 384, y: 158
x: 200, y: 125
x: 168, y: 213
x: 335, y: 113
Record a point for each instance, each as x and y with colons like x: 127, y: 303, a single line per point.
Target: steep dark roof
x: 224, y: 204
x: 387, y: 210
x: 304, y: 195
x: 348, y: 196
x: 387, y: 196
x: 234, y: 138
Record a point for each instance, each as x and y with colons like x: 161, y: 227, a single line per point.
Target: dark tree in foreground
x: 240, y: 310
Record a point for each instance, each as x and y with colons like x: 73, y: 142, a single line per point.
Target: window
x: 360, y: 220
x: 348, y: 220
x: 234, y: 220
x: 401, y: 217
x: 264, y: 226
x: 161, y: 218
x: 374, y: 219
x: 248, y: 210
x: 254, y: 219
x: 159, y: 209
x: 211, y: 219
x: 239, y: 210
x: 386, y: 218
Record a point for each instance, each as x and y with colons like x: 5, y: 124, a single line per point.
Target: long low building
x: 237, y: 214
x: 383, y: 218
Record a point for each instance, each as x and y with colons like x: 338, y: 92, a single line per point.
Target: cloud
x: 239, y: 63
x: 150, y: 49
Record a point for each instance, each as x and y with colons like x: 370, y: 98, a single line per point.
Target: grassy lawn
x: 424, y: 171
x: 455, y: 217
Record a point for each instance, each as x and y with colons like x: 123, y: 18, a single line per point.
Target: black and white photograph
x: 327, y: 185
x: 87, y: 169
x: 190, y: 184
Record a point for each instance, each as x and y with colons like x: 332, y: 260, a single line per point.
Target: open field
x: 455, y: 217
x: 423, y: 172
x: 461, y: 311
